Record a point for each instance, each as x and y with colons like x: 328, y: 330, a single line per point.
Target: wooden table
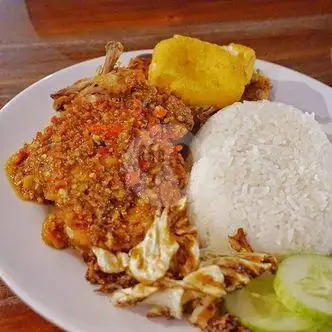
x: 38, y: 37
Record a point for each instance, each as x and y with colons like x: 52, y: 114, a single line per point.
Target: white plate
x: 51, y: 281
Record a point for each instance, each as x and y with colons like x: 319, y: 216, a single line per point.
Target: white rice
x: 265, y: 167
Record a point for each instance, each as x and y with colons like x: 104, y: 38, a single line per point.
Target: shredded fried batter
x: 109, y: 282
x: 239, y: 241
x: 259, y: 88
x: 199, y: 294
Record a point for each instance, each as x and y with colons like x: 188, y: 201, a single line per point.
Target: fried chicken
x: 107, y: 161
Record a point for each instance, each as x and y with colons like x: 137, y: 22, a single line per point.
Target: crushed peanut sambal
x: 107, y: 161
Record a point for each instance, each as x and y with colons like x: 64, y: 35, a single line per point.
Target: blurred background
x: 39, y: 37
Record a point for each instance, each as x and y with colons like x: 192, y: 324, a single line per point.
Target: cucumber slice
x: 258, y: 308
x: 304, y: 285
x: 326, y: 328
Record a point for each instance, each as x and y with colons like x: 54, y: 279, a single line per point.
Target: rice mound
x: 265, y: 167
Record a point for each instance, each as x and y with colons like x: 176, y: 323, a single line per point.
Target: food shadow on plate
x: 304, y: 97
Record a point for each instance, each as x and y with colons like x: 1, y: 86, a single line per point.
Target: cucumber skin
x: 294, y: 305
x: 313, y: 328
x: 256, y: 329
x: 326, y: 328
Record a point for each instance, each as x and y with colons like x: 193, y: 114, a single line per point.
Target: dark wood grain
x: 39, y: 37
x: 16, y: 316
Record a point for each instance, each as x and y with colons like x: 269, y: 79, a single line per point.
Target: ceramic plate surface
x: 52, y: 282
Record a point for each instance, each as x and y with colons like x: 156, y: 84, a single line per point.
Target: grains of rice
x: 265, y: 167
